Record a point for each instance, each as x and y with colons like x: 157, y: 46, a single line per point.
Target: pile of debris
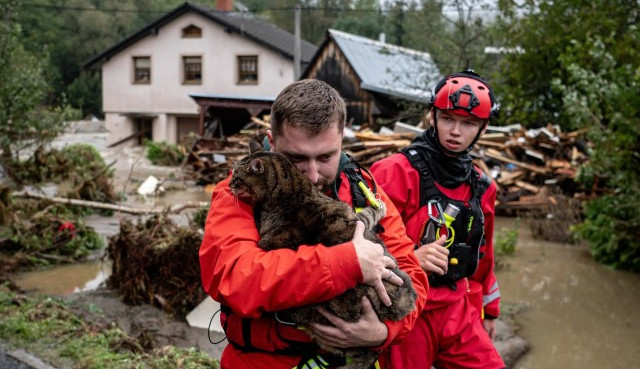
x: 528, y: 165
x: 525, y: 164
x: 156, y: 262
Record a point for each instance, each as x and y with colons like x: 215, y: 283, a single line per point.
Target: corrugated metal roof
x: 389, y: 69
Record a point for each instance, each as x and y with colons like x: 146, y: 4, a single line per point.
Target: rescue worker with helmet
x: 447, y: 205
x: 307, y: 124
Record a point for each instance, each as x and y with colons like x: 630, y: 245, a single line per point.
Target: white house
x: 149, y: 79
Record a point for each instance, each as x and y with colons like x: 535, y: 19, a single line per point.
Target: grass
x: 51, y: 329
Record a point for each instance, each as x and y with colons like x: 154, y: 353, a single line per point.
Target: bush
x: 604, y: 99
x: 163, y: 153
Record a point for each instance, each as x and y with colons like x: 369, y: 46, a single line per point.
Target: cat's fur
x: 291, y: 211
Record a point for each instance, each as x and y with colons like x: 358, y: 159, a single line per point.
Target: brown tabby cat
x: 291, y: 211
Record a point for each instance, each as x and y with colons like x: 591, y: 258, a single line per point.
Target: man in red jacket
x: 447, y: 205
x: 307, y: 123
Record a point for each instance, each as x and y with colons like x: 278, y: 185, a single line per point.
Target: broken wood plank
x: 496, y: 155
x: 507, y: 178
x: 527, y: 186
x: 260, y: 122
x: 390, y: 143
x: 499, y: 145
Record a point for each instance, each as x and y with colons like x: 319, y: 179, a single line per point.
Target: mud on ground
x: 147, y: 321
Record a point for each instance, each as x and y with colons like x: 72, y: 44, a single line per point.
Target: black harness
x: 467, y: 228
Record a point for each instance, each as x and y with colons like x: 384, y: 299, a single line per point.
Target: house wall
x: 166, y: 97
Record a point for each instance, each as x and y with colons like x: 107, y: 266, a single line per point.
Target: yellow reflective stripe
x: 377, y: 364
x: 313, y: 363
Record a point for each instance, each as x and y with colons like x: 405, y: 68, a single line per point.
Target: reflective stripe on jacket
x: 252, y: 282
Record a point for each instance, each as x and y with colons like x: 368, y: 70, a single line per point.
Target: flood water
x: 574, y: 312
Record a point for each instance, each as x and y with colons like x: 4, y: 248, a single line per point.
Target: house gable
x: 262, y: 33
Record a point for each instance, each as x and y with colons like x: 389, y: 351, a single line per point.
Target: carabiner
x: 440, y: 219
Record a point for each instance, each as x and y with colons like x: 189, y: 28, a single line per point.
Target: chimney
x: 224, y: 5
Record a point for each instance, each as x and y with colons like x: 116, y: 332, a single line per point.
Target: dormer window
x: 191, y: 31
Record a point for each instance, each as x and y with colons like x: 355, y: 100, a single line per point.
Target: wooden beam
x: 527, y: 186
x: 496, y: 155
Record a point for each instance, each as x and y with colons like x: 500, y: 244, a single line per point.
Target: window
x: 142, y: 69
x: 248, y: 70
x: 192, y: 66
x: 191, y: 31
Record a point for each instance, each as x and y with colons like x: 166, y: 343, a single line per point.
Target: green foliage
x: 51, y: 328
x: 545, y: 30
x: 366, y: 20
x: 79, y: 170
x: 164, y: 153
x: 46, y: 234
x: 199, y: 217
x: 25, y: 120
x: 505, y: 241
x: 601, y: 94
x: 504, y: 244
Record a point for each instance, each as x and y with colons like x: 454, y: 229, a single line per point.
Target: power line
x: 288, y: 9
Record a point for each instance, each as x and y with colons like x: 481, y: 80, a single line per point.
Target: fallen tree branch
x: 115, y: 207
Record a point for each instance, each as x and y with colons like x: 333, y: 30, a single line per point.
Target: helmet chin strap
x: 453, y: 153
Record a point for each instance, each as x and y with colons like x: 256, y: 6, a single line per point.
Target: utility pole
x: 296, y: 44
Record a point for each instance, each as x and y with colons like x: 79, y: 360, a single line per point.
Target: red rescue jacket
x: 402, y: 183
x: 252, y: 282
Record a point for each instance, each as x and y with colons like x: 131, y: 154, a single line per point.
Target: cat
x: 290, y: 211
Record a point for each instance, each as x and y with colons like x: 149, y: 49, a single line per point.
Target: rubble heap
x: 527, y: 165
x: 156, y: 262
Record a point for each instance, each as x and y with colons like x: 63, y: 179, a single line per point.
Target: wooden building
x: 375, y: 78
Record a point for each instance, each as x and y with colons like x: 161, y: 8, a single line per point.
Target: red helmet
x: 466, y: 93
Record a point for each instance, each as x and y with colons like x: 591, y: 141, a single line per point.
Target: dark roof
x: 385, y: 68
x: 245, y: 24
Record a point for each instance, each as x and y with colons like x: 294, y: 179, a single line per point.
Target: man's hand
x: 375, y: 266
x: 434, y: 257
x: 490, y: 326
x: 368, y: 331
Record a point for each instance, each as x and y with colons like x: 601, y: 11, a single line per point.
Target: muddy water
x: 575, y: 313
x: 66, y: 279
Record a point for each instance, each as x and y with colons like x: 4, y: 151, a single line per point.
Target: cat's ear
x: 256, y: 166
x: 254, y: 147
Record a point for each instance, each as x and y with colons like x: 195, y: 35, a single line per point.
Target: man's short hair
x: 309, y: 104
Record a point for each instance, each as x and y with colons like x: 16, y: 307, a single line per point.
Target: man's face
x: 316, y: 156
x: 456, y: 132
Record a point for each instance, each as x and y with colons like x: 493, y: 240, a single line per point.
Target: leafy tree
x: 453, y: 32
x: 601, y: 95
x: 316, y: 16
x: 366, y: 19
x: 395, y: 24
x: 24, y: 119
x: 544, y: 30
